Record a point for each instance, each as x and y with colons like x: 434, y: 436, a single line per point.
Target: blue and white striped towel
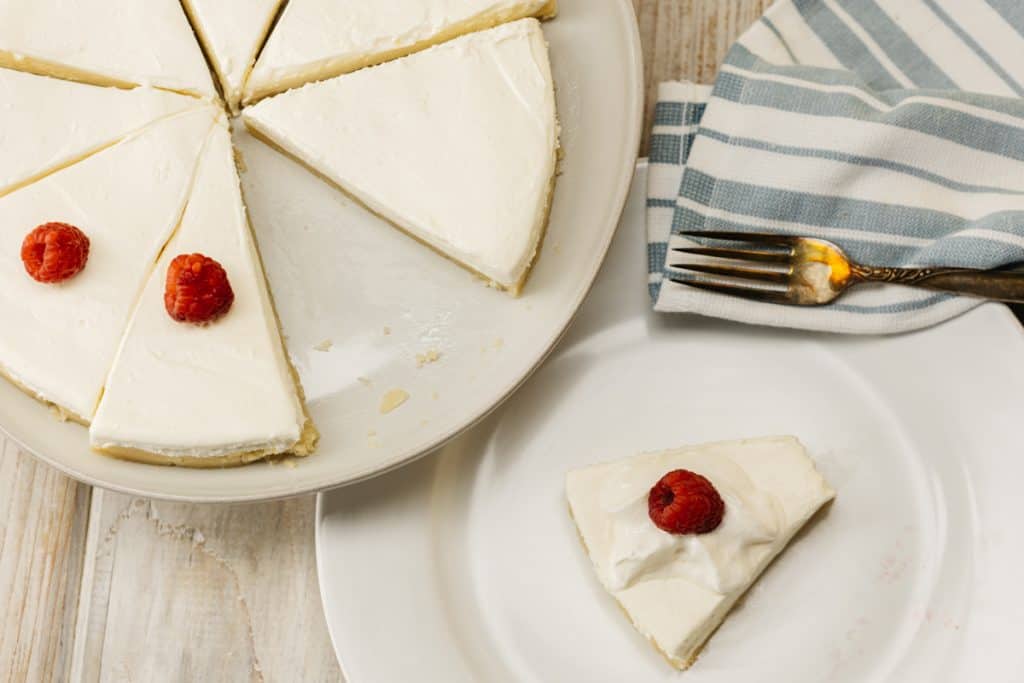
x: 894, y: 128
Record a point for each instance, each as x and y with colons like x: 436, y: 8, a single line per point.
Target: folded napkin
x: 894, y: 128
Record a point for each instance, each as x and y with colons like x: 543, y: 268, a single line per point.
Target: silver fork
x: 805, y: 271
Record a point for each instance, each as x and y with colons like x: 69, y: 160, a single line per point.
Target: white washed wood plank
x: 43, y: 517
x: 688, y: 39
x: 200, y: 592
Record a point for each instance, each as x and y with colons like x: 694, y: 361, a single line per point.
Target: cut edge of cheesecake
x: 725, y: 607
x: 63, y: 414
x: 46, y: 38
x: 304, y: 448
x: 65, y: 72
x: 309, y: 436
x: 514, y: 290
x: 331, y: 67
x: 264, y: 122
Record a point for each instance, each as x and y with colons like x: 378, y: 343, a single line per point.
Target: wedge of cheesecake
x: 232, y: 33
x: 52, y: 123
x: 320, y: 39
x: 59, y: 340
x: 105, y: 42
x: 456, y: 145
x: 208, y: 395
x: 676, y: 584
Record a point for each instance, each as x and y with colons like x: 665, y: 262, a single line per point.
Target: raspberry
x: 197, y: 289
x: 683, y: 502
x: 54, y: 252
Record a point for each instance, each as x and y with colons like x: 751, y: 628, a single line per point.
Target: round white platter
x: 363, y: 306
x: 466, y: 566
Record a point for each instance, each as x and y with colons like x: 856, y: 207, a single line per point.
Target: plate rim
x: 428, y: 446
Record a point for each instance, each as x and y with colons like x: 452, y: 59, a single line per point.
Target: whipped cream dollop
x: 721, y: 560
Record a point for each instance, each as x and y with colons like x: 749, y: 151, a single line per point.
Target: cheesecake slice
x: 320, y: 39
x: 208, y: 395
x: 51, y: 123
x: 456, y: 145
x: 652, y: 536
x: 105, y: 42
x: 58, y: 340
x: 232, y: 33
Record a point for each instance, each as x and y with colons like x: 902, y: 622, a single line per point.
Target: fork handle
x: 988, y: 284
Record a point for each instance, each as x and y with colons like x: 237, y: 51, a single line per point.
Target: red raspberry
x: 54, y: 252
x: 683, y: 502
x: 197, y: 289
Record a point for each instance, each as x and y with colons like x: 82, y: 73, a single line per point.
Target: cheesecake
x: 52, y: 123
x: 456, y: 145
x: 59, y: 339
x: 232, y: 33
x: 319, y: 39
x: 208, y: 395
x: 105, y: 42
x: 678, y: 536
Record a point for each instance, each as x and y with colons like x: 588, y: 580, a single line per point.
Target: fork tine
x: 739, y: 254
x: 757, y: 274
x: 772, y: 296
x: 755, y: 237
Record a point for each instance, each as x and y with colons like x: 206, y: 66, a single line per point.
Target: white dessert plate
x: 466, y: 566
x: 369, y: 312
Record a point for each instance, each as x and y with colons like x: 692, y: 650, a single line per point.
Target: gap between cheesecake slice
x: 60, y: 339
x: 232, y: 34
x: 39, y: 140
x: 315, y: 40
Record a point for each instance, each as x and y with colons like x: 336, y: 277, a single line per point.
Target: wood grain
x: 688, y: 39
x: 201, y: 592
x: 104, y: 587
x: 42, y: 542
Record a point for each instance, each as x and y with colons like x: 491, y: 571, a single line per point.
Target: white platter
x: 466, y: 567
x: 341, y: 276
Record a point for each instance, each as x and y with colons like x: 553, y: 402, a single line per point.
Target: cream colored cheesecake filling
x: 105, y: 42
x: 677, y: 589
x: 223, y: 392
x: 320, y: 39
x: 232, y: 31
x: 59, y: 340
x: 456, y: 145
x: 47, y: 124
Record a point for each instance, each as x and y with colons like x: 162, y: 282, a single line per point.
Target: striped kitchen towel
x: 894, y: 128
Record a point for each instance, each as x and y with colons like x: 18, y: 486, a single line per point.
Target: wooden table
x: 100, y: 586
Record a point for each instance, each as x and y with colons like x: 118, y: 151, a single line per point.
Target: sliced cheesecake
x: 457, y: 145
x: 232, y: 32
x: 320, y: 39
x: 678, y: 536
x: 59, y: 340
x: 105, y: 42
x: 208, y: 395
x: 53, y: 123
